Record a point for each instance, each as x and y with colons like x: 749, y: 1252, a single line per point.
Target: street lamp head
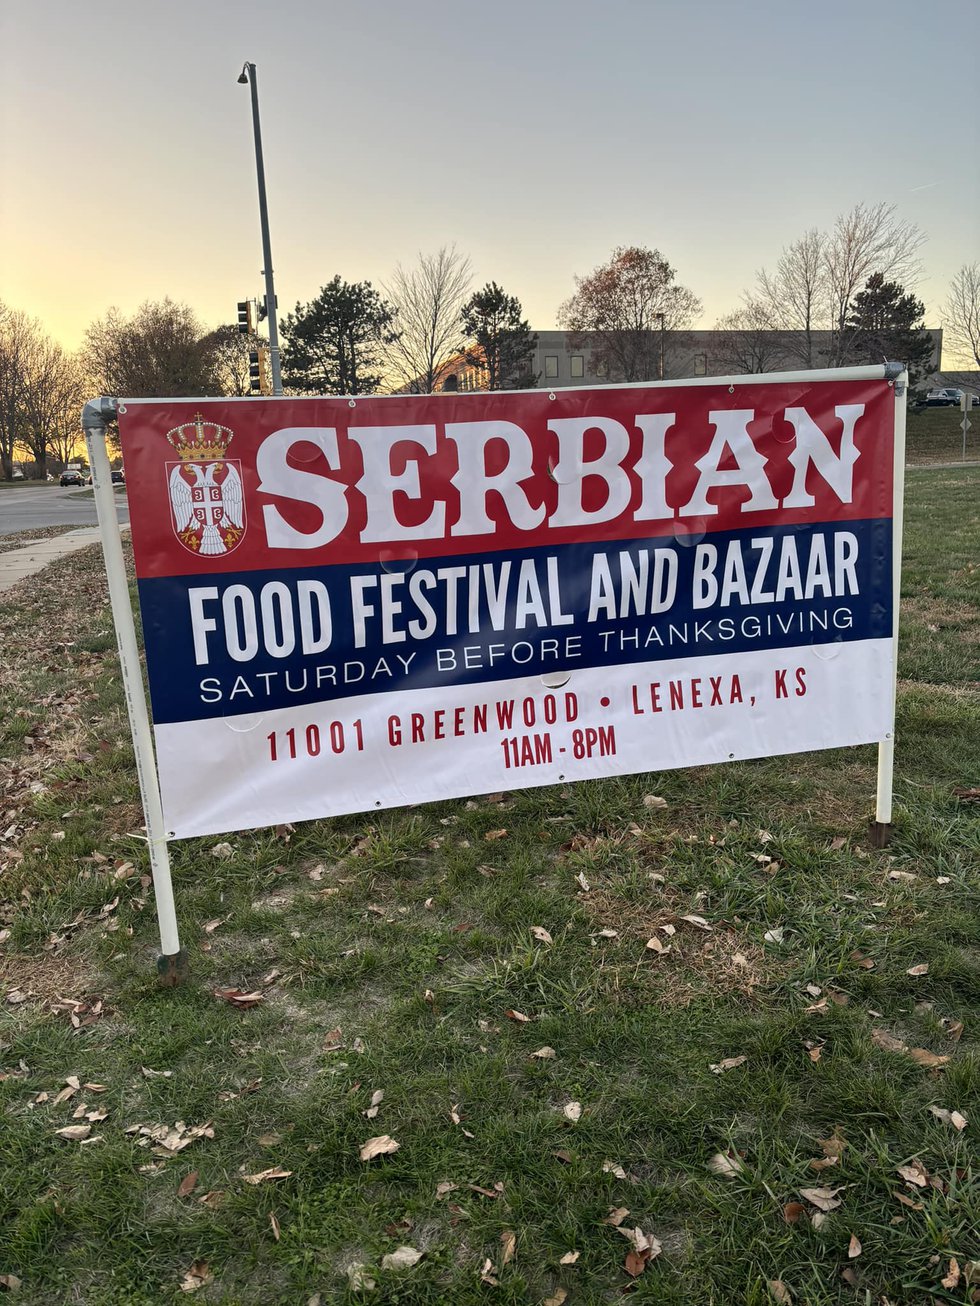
x: 243, y: 75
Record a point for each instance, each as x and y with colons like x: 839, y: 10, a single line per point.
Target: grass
x: 934, y: 435
x: 389, y: 950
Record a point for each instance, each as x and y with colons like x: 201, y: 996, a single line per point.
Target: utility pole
x: 248, y: 75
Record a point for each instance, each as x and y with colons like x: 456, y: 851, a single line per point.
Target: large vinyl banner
x: 350, y: 605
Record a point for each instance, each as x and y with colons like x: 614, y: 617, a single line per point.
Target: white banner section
x: 380, y: 750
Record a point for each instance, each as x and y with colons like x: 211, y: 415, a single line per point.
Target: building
x: 563, y: 359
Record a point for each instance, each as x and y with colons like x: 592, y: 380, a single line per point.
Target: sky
x: 535, y: 135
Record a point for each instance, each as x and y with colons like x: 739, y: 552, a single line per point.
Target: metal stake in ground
x: 172, y: 964
x: 881, y: 827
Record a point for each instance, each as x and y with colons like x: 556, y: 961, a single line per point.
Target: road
x: 24, y: 508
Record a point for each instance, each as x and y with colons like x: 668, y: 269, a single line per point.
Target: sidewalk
x: 16, y: 564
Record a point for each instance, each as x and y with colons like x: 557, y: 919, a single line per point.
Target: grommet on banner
x: 121, y: 408
x: 552, y: 395
x: 731, y: 389
x: 351, y: 403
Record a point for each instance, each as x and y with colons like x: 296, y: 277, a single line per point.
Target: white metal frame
x: 93, y: 420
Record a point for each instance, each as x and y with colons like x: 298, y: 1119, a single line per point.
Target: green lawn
x: 934, y: 435
x: 399, y: 953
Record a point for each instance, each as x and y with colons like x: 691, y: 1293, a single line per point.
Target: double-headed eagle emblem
x: 206, y: 499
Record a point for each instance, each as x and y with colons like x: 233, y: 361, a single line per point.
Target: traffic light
x: 258, y: 370
x: 245, y: 324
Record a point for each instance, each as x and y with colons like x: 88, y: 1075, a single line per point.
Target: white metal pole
x: 94, y: 417
x: 886, y: 748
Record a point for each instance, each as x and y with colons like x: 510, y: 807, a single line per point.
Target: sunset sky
x: 536, y: 135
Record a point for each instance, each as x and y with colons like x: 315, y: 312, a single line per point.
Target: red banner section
x: 218, y: 485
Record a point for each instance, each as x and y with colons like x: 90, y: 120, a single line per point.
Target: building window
x: 551, y: 366
x: 700, y: 364
x: 600, y: 369
x: 578, y: 365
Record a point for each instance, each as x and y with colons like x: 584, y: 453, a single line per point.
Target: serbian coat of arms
x: 206, y: 499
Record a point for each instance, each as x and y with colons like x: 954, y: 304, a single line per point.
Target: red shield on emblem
x: 207, y: 505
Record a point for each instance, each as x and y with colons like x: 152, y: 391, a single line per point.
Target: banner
x: 357, y: 604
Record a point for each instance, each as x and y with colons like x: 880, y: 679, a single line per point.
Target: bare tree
x: 18, y: 337
x: 161, y: 351
x: 428, y: 301
x: 864, y: 242
x: 228, y: 349
x: 65, y: 430
x: 624, y: 308
x: 794, y: 298
x: 48, y: 389
x: 746, y: 342
x: 961, y: 316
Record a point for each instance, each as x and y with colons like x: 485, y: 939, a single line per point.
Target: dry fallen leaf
x: 380, y: 1146
x: 725, y: 1164
x: 928, y: 1059
x: 545, y: 1054
x: 825, y: 1199
x: 854, y: 1247
x: 492, y: 835
x: 921, y: 969
x: 187, y: 1184
x: 914, y: 1173
x: 654, y: 801
x: 518, y: 1016
x: 569, y: 1258
x: 74, y: 1133
x: 359, y: 1279
x: 402, y: 1258
x: 265, y: 1175
x: 377, y: 1097
x: 952, y: 1279
x: 610, y: 1167
x: 541, y: 934
x: 572, y: 1110
x: 508, y: 1245
x: 13, y: 1284
x: 274, y: 1226
x: 196, y: 1277
x: 616, y: 1216
x: 558, y: 1297
x: 729, y: 1063
x: 779, y: 1292
x: 237, y: 998
x: 793, y: 1211
x: 954, y: 1118
x: 655, y: 945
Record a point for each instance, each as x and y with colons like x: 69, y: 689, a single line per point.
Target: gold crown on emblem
x: 200, y: 439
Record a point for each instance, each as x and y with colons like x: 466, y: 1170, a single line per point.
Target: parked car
x: 948, y: 397
x: 70, y: 477
x: 117, y: 478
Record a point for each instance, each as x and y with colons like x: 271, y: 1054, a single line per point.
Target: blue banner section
x: 246, y: 642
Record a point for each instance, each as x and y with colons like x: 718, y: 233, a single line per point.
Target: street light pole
x: 662, y: 332
x: 248, y: 75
